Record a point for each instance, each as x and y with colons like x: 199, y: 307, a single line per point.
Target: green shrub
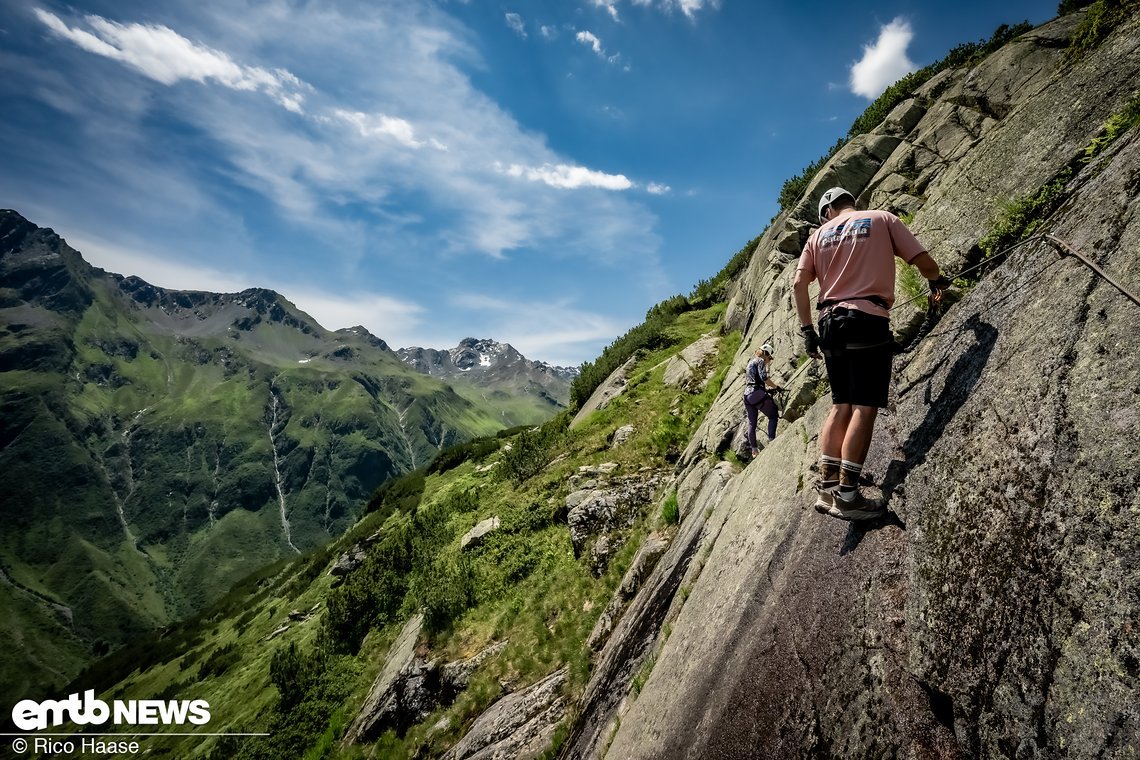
x: 1117, y: 124
x: 1018, y: 219
x: 444, y: 590
x: 1102, y: 18
x: 911, y: 282
x: 473, y: 450
x: 668, y: 308
x: 220, y: 661
x: 714, y: 290
x: 531, y: 450
x: 374, y: 594
x: 1068, y: 6
x: 294, y: 673
x: 649, y: 335
x: 401, y: 494
x: 670, y: 512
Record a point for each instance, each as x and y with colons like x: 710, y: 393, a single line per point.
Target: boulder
x: 354, y: 557
x: 409, y: 688
x: 693, y: 360
x: 475, y: 536
x: 640, y: 567
x: 383, y: 706
x: 519, y: 726
x: 454, y: 676
x: 637, y: 631
x: 613, y: 387
x: 347, y: 562
x: 622, y: 434
x: 601, y: 510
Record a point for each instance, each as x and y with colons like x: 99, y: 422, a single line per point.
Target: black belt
x: 877, y: 300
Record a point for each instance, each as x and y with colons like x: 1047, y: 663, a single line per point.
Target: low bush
x: 1101, y: 20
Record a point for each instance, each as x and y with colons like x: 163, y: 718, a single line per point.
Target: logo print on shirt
x: 859, y: 228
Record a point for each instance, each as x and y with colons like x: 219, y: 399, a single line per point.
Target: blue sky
x: 540, y: 172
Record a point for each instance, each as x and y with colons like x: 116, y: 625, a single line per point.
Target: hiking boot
x: 859, y: 508
x: 825, y: 502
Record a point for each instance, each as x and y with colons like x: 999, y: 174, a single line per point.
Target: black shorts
x: 860, y: 371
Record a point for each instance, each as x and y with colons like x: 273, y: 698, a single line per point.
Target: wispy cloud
x: 515, y: 22
x: 688, y: 7
x: 548, y: 32
x: 302, y: 170
x: 591, y: 40
x: 397, y: 156
x: 167, y: 57
x: 610, y: 6
x: 567, y: 177
x: 384, y: 126
x: 884, y: 62
x: 656, y: 188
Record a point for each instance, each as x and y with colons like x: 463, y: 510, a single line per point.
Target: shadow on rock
x: 857, y: 530
x: 960, y: 382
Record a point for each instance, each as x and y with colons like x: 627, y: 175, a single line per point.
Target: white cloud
x: 356, y: 184
x: 688, y: 7
x: 167, y: 57
x: 884, y: 62
x: 382, y: 125
x: 595, y: 44
x: 656, y: 188
x: 515, y: 22
x: 548, y: 32
x: 566, y: 177
x: 397, y: 321
x: 158, y: 269
x: 591, y: 39
x: 610, y: 7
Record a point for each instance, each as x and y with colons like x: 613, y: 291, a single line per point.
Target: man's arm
x: 926, y: 266
x: 802, y: 297
x: 803, y: 309
x: 929, y: 269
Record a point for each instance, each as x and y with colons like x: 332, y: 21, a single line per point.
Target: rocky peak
x: 482, y: 352
x: 40, y: 267
x: 362, y: 332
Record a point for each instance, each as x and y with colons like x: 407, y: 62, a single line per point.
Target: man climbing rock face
x: 852, y: 256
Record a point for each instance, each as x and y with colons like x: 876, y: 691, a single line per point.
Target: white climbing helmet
x: 767, y: 348
x: 831, y: 196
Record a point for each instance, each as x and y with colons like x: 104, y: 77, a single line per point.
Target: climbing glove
x: 939, y: 286
x: 811, y: 341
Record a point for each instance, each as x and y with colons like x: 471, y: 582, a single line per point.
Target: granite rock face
x: 519, y: 726
x: 993, y: 612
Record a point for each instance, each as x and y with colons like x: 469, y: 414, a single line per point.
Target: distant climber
x: 756, y: 396
x: 852, y: 256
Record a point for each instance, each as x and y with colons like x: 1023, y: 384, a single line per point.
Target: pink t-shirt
x: 852, y: 256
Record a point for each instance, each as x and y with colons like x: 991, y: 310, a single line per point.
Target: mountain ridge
x: 204, y: 434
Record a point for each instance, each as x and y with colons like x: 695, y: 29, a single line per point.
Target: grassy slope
x: 529, y: 588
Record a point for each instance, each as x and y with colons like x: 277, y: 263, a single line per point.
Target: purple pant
x: 768, y: 406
